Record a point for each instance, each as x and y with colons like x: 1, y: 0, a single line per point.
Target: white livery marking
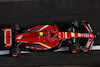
x: 27, y: 46
x: 43, y: 27
x: 66, y: 35
x: 59, y: 35
x: 73, y: 34
x: 19, y: 37
x: 90, y: 28
x: 43, y: 45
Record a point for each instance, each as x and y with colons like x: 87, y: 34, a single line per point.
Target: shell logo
x: 79, y: 34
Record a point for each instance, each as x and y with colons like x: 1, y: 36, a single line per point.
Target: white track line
x: 96, y: 47
x: 5, y: 52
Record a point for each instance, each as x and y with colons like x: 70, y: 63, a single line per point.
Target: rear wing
x: 7, y: 37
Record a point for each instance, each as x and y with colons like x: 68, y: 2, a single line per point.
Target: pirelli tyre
x: 71, y: 22
x: 15, y: 26
x: 74, y: 46
x: 73, y: 27
x: 15, y: 51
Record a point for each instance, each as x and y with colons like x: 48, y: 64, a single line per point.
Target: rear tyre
x: 15, y: 51
x: 15, y: 26
x: 15, y: 30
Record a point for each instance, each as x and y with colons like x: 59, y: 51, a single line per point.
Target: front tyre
x: 74, y: 45
x: 73, y: 27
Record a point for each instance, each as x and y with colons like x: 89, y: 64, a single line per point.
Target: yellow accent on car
x: 66, y: 34
x: 41, y: 33
x: 74, y: 45
x: 72, y: 22
x: 43, y: 27
x: 77, y: 44
x: 79, y: 35
x: 49, y: 47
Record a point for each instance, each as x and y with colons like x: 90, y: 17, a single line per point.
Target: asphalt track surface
x: 37, y: 12
x: 52, y: 59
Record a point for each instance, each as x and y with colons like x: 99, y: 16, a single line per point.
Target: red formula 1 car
x: 77, y: 36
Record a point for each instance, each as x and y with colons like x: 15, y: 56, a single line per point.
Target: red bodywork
x: 8, y: 37
x: 49, y: 36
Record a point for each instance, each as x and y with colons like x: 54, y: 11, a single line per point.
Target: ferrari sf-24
x: 76, y: 36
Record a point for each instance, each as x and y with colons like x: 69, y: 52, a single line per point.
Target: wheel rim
x: 74, y: 51
x: 14, y: 54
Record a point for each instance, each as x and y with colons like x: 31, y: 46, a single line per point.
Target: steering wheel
x: 49, y: 34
